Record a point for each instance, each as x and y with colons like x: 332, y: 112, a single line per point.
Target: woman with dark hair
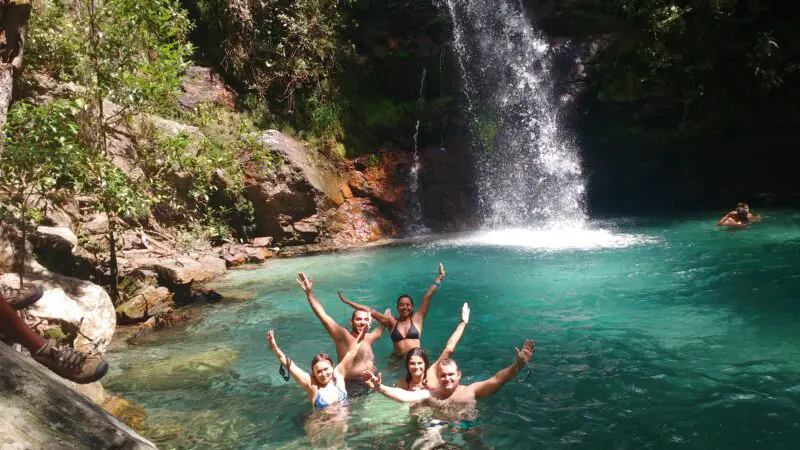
x: 406, y: 329
x: 325, y: 385
x: 422, y: 375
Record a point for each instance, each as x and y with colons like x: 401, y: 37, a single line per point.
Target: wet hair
x: 318, y: 358
x: 405, y: 296
x: 422, y: 354
x: 353, y: 316
x: 741, y: 213
x: 448, y: 362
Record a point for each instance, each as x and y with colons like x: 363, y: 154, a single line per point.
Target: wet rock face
x: 287, y: 195
x: 383, y: 178
x: 40, y: 410
x: 357, y: 221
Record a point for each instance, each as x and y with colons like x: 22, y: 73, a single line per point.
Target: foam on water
x: 573, y: 238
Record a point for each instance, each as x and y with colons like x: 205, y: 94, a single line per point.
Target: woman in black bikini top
x: 406, y: 329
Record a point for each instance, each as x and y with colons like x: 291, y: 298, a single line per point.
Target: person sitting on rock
x: 406, y: 329
x: 344, y: 339
x: 67, y: 362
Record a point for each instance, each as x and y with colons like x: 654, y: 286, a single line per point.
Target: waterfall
x: 415, y: 201
x: 528, y: 169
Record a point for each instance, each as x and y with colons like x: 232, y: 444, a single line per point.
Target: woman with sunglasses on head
x: 407, y: 328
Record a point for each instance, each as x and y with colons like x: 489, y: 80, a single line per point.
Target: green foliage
x: 686, y: 70
x: 43, y: 153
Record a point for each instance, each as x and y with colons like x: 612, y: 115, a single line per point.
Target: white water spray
x: 415, y: 202
x: 529, y: 173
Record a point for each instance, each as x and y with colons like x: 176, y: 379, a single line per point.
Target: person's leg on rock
x: 67, y: 362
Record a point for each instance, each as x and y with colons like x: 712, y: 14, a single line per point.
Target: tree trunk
x: 112, y: 258
x: 14, y: 16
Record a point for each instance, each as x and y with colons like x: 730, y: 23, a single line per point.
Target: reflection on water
x: 687, y: 338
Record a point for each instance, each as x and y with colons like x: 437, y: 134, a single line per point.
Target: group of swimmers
x: 741, y: 217
x: 437, y: 385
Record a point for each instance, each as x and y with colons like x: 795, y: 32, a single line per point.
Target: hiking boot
x: 21, y: 298
x: 71, y: 364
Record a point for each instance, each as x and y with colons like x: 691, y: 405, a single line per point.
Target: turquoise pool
x: 650, y: 333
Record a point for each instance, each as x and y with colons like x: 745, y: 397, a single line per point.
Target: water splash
x: 415, y: 201
x: 528, y: 169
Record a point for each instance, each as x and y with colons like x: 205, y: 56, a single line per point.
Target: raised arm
x: 347, y: 359
x: 376, y: 334
x: 452, y: 342
x: 490, y: 386
x: 426, y: 300
x: 300, y: 375
x: 333, y: 328
x: 394, y: 393
x: 726, y: 217
x: 383, y: 319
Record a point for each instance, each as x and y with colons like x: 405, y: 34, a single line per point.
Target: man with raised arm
x: 450, y: 392
x: 344, y: 339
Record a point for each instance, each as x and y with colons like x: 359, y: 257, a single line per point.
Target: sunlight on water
x: 554, y: 239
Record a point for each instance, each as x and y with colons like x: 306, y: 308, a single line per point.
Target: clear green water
x: 661, y: 334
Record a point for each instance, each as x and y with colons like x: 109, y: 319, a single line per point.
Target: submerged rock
x: 179, y: 370
x: 40, y: 410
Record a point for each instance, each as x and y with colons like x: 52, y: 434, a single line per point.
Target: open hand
x: 465, y: 313
x: 371, y: 380
x: 524, y: 355
x: 441, y: 271
x: 304, y: 282
x: 271, y: 339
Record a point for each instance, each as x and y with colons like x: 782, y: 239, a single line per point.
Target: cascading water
x: 415, y: 202
x: 529, y: 173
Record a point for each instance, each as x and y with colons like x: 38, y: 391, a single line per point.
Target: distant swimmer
x: 407, y: 329
x: 738, y: 218
x: 452, y: 402
x: 422, y: 375
x: 343, y: 338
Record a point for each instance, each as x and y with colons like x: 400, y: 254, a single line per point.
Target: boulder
x: 144, y: 304
x: 184, y: 270
x: 357, y: 221
x: 307, y: 229
x: 57, y: 238
x: 96, y: 223
x: 257, y: 255
x: 40, y: 410
x: 202, y: 85
x: 262, y: 241
x: 71, y: 304
x: 303, y: 184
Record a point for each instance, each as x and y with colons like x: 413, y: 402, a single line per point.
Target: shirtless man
x: 451, y: 396
x: 364, y: 361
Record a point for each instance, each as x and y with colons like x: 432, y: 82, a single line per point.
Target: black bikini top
x: 412, y: 333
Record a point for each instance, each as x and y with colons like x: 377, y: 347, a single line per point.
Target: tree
x: 14, y: 16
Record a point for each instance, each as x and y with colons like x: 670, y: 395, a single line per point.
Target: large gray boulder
x: 70, y: 304
x: 39, y: 410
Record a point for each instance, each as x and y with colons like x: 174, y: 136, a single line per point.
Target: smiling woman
x: 407, y: 329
